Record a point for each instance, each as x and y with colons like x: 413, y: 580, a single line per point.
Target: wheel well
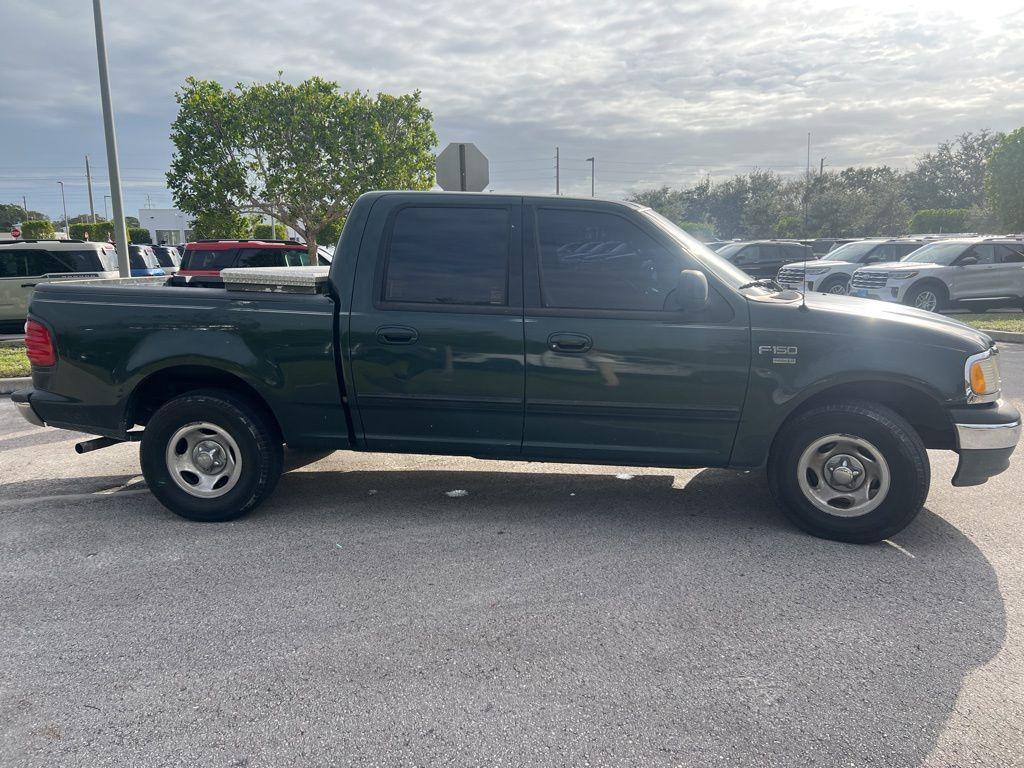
x: 164, y: 385
x: 929, y: 281
x: 925, y: 414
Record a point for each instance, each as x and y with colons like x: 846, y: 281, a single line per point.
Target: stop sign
x: 461, y: 166
x: 15, y: 232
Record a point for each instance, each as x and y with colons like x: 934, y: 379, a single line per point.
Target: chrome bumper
x: 25, y: 409
x: 985, y: 437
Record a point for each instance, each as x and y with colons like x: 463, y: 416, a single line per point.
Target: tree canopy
x: 300, y: 153
x: 1004, y: 181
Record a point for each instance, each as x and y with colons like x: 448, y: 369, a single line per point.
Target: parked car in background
x: 167, y: 257
x: 977, y: 271
x: 764, y: 258
x: 822, y: 245
x: 143, y: 261
x: 832, y: 272
x: 209, y: 257
x: 24, y: 263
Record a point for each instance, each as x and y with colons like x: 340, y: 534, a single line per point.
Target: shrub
x: 37, y: 230
x: 97, y: 232
x: 1003, y: 183
x: 139, y: 235
x: 939, y: 220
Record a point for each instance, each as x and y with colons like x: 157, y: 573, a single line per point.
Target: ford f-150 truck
x: 509, y: 327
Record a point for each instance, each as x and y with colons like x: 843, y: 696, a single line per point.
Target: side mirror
x: 691, y: 292
x: 967, y: 261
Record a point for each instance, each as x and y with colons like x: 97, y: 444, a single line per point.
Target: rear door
x: 611, y: 375
x: 1009, y: 272
x: 436, y: 326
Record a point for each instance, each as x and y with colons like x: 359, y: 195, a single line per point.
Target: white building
x: 166, y: 225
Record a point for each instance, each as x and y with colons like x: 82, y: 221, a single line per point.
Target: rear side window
x: 597, y: 260
x: 165, y: 256
x: 13, y: 263
x: 261, y: 257
x: 201, y: 258
x: 448, y: 256
x: 1011, y: 254
x: 41, y: 262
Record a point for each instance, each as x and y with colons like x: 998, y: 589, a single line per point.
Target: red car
x: 209, y: 257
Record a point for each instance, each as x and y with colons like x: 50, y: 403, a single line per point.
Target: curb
x: 1009, y: 337
x: 7, y: 386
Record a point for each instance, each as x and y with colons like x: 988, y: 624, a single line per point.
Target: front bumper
x: 985, y: 438
x: 893, y: 293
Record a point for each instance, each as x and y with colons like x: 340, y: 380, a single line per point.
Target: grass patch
x: 1013, y: 322
x: 13, y: 362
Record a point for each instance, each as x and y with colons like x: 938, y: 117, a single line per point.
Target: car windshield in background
x: 937, y: 253
x: 714, y: 261
x: 729, y: 250
x: 853, y: 252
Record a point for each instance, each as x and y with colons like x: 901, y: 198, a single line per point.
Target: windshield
x: 713, y: 261
x: 937, y: 253
x: 729, y: 250
x: 855, y: 251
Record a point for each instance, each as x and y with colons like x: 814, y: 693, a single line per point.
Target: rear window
x: 273, y: 257
x: 202, y: 258
x: 165, y: 256
x: 22, y: 262
x: 141, y: 258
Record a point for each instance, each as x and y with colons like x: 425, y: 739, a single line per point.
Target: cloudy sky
x: 659, y: 92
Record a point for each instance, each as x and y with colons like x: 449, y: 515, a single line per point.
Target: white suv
x: 23, y: 263
x: 832, y: 272
x: 976, y: 271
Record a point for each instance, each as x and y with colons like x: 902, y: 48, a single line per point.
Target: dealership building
x: 166, y: 225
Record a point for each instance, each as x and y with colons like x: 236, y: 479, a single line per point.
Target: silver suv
x: 832, y: 272
x: 974, y: 271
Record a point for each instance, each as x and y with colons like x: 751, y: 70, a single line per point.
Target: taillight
x: 39, y: 344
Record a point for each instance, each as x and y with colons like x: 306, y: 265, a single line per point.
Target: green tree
x: 300, y: 153
x: 1004, y: 181
x: 213, y: 225
x: 935, y: 220
x: 130, y: 222
x: 139, y: 235
x: 953, y: 176
x: 15, y: 214
x: 37, y: 230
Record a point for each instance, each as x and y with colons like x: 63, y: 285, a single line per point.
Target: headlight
x: 981, y: 377
x: 816, y: 270
x: 902, y: 275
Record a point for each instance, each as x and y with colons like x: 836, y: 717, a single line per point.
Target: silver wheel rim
x: 838, y: 288
x: 203, y: 460
x: 926, y: 300
x: 843, y: 475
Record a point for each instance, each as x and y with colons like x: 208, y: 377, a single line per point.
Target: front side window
x: 596, y: 260
x: 448, y: 255
x: 985, y: 254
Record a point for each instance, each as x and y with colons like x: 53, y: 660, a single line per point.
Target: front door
x: 978, y: 280
x: 611, y: 375
x: 437, y: 327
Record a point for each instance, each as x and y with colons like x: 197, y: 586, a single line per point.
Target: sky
x: 658, y: 92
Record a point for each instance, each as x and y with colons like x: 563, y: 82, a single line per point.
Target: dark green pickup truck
x: 533, y: 328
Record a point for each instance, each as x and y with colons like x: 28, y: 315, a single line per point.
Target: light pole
x: 63, y: 202
x: 105, y: 216
x: 113, y: 167
x: 593, y: 172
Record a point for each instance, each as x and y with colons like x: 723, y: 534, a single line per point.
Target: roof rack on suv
x: 47, y: 240
x: 247, y: 240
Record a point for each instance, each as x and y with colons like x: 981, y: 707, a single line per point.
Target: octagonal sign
x: 462, y: 167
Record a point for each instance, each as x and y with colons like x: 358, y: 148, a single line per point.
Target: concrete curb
x: 1009, y: 337
x: 9, y: 385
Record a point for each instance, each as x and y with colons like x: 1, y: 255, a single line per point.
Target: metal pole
x: 593, y: 173
x: 88, y: 181
x: 557, y: 173
x: 24, y: 205
x: 120, y: 232
x: 105, y: 198
x: 63, y: 202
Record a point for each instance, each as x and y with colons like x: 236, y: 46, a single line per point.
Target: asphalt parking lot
x: 403, y: 610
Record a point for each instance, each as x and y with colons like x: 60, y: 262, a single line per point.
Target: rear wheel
x: 931, y: 297
x: 850, y: 471
x: 211, y: 455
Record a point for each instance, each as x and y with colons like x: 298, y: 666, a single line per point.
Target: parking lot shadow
x: 526, y: 618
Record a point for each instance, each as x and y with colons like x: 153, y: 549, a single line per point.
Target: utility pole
x: 24, y: 205
x: 593, y: 173
x: 821, y: 167
x: 807, y: 180
x: 63, y: 202
x: 105, y: 216
x: 557, y: 173
x: 808, y: 154
x: 113, y: 167
x: 88, y: 182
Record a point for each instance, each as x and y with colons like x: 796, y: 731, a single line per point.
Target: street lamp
x: 63, y: 202
x: 593, y: 172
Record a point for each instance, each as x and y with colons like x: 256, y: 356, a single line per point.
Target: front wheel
x: 837, y: 286
x: 850, y: 471
x: 210, y: 455
x: 930, y: 298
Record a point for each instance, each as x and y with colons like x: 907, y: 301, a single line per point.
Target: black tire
x: 255, y: 435
x: 836, y: 281
x: 896, y: 441
x: 937, y: 289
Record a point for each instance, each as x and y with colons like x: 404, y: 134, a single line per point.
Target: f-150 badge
x: 781, y: 354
